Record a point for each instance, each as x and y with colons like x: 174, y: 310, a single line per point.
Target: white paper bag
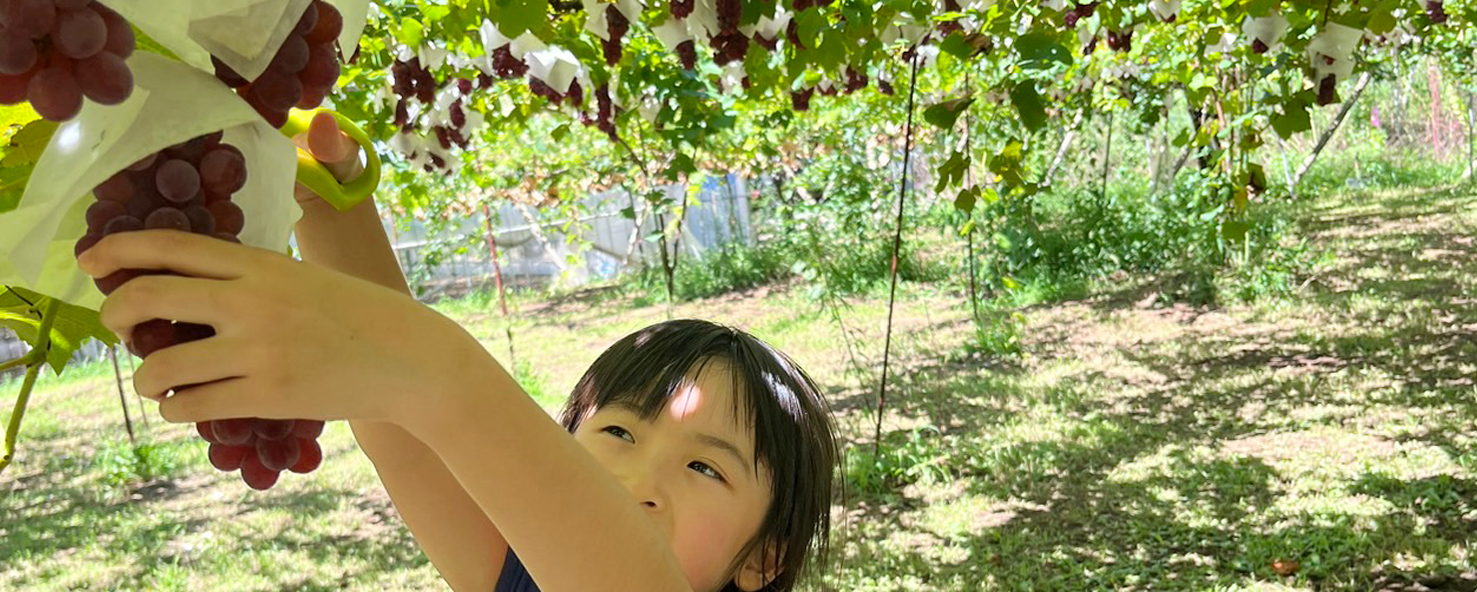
x: 244, y: 34
x: 171, y: 103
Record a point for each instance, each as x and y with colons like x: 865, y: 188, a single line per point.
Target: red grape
x: 277, y: 91
x: 29, y: 18
x: 118, y: 188
x: 112, y: 281
x: 278, y: 455
x: 201, y: 222
x: 223, y: 170
x: 308, y: 428
x: 121, y: 41
x: 229, y: 458
x: 203, y: 428
x: 308, y: 21
x: 17, y: 53
x: 228, y: 217
x: 273, y: 429
x: 330, y: 24
x: 256, y: 475
x: 105, y: 78
x: 178, y: 181
x: 291, y: 57
x: 310, y: 456
x: 151, y: 336
x: 99, y: 214
x: 322, y: 69
x: 55, y: 94
x: 123, y: 224
x: 167, y: 219
x: 232, y: 431
x: 86, y: 242
x: 79, y: 34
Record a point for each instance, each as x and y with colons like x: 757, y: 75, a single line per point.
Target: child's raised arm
x: 458, y: 538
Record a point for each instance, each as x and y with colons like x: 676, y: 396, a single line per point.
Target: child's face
x: 706, y: 499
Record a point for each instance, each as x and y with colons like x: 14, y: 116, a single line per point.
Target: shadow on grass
x: 1121, y: 487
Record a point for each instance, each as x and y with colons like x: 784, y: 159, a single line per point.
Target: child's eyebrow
x: 726, y: 446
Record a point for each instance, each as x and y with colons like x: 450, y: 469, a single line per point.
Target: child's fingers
x: 171, y: 297
x: 181, y: 252
x: 222, y: 399
x: 328, y: 143
x: 197, y: 362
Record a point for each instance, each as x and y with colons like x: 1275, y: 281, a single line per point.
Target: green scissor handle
x: 313, y: 175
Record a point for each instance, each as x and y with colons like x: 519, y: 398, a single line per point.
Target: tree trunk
x: 1332, y: 128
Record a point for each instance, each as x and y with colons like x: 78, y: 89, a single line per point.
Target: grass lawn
x: 1133, y: 445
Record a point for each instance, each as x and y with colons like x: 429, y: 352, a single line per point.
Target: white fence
x: 535, y: 250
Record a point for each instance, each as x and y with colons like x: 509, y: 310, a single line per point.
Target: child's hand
x: 293, y: 340
x: 332, y: 147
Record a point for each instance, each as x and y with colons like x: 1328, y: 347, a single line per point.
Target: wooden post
x: 118, y: 376
x: 1332, y: 127
x: 497, y: 274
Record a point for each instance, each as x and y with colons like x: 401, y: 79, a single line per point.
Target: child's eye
x: 619, y: 432
x: 711, y: 472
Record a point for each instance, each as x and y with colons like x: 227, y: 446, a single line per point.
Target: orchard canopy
x: 632, y: 95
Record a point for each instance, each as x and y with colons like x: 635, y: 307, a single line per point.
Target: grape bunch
x: 412, y: 81
x: 55, y: 52
x: 189, y: 187
x: 262, y: 448
x: 1328, y: 90
x: 855, y: 80
x: 1435, y: 11
x: 1078, y: 12
x: 185, y: 187
x: 575, y: 95
x: 617, y: 25
x: 301, y: 74
x: 1120, y: 41
x: 604, y: 118
x: 800, y: 99
x: 687, y: 54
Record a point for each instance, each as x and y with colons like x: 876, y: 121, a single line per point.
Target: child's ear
x: 761, y: 568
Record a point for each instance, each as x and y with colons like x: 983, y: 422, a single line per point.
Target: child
x: 725, y: 445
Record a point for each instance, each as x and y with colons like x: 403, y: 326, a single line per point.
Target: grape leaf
x: 1294, y: 118
x: 1028, y: 103
x: 26, y: 145
x: 946, y: 113
x: 1038, y: 51
x: 72, y: 327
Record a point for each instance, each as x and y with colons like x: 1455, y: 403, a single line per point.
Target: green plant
x: 120, y: 462
x: 907, y: 457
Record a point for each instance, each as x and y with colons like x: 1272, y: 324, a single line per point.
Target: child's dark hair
x: 794, y: 436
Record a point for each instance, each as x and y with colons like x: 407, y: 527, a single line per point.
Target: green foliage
x: 119, y: 463
x: 907, y: 457
x: 729, y: 268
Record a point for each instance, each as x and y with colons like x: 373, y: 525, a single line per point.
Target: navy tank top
x: 515, y: 577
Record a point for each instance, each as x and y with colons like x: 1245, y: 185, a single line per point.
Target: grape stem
x: 33, y: 361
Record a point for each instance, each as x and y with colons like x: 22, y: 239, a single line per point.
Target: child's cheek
x: 705, y: 542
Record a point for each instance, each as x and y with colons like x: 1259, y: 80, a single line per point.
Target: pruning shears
x: 313, y: 175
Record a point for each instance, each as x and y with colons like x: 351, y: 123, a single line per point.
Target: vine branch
x: 34, y: 360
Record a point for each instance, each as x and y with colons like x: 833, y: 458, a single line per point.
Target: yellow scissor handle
x: 313, y: 175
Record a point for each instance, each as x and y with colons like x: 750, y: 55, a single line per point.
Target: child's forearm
x: 449, y: 526
x: 351, y: 242
x: 572, y: 524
